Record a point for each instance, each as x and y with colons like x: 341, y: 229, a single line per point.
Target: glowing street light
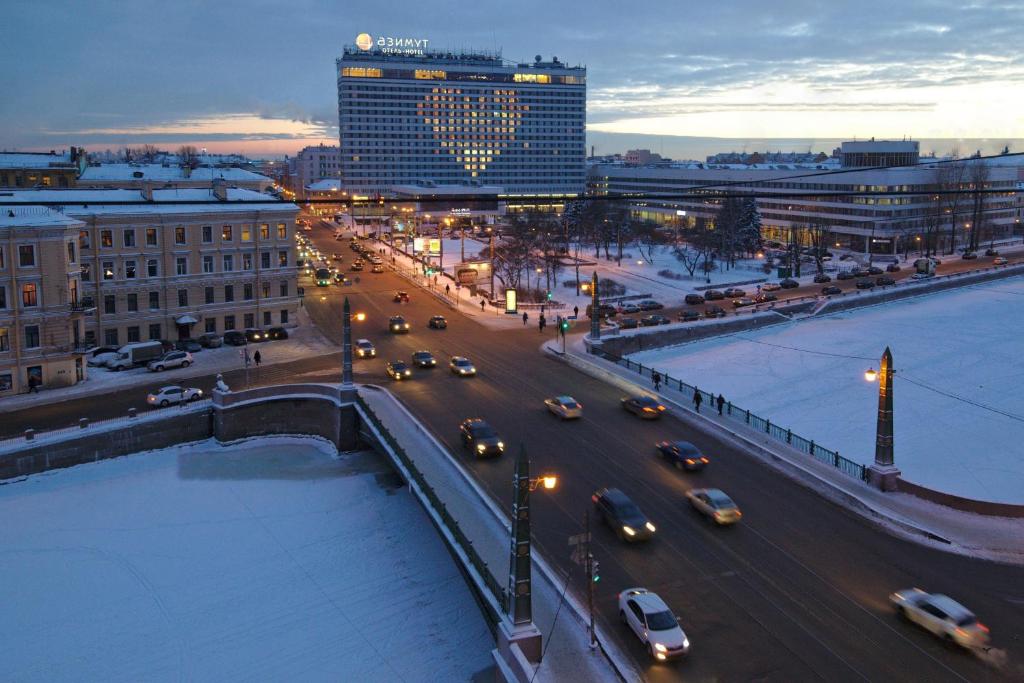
x: 870, y: 375
x: 360, y: 317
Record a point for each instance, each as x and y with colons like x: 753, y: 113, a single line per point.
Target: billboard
x: 417, y: 245
x: 510, y: 301
x: 435, y: 245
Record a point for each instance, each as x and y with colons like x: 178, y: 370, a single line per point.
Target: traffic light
x: 595, y: 571
x: 549, y: 295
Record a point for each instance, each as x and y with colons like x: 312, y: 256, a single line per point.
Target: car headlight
x: 650, y: 527
x: 408, y: 372
x: 501, y: 444
x: 629, y: 531
x: 199, y: 392
x: 660, y: 648
x: 480, y: 447
x: 686, y: 642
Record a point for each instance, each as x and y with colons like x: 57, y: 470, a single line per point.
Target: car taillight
x: 983, y: 627
x: 689, y: 461
x: 704, y: 460
x: 661, y: 407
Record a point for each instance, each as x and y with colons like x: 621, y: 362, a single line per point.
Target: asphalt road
x: 797, y: 591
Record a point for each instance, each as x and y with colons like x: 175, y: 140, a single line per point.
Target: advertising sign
x: 435, y: 245
x: 510, y: 301
x: 466, y: 276
x: 417, y: 245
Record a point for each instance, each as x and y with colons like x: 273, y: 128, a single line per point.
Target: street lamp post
x: 595, y: 314
x: 883, y: 473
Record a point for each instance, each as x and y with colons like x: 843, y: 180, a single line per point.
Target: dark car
x: 694, y: 299
x: 682, y: 454
x: 340, y: 278
x: 714, y: 312
x: 821, y: 279
x: 650, y: 305
x: 969, y: 255
x: 401, y: 297
x: 884, y: 281
x: 397, y: 370
x: 743, y: 302
x: 764, y: 297
x: 622, y: 515
x: 875, y: 270
x: 254, y: 335
x: 277, y: 333
x: 652, y: 320
x: 734, y: 293
x: 845, y: 275
x: 397, y: 325
x: 628, y: 323
x: 438, y: 322
x: 689, y: 316
x: 211, y: 340
x: 713, y: 295
x: 991, y: 252
x: 604, y: 310
x: 893, y: 268
x: 234, y: 338
x: 865, y: 284
x: 190, y: 345
x: 859, y: 272
x: 829, y: 290
x: 789, y: 283
x: 480, y: 437
x: 643, y: 406
x: 424, y: 359
x: 356, y: 265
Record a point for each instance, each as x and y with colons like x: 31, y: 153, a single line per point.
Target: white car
x: 652, y: 621
x: 461, y: 366
x: 365, y: 349
x: 771, y: 287
x: 942, y: 615
x: 99, y: 357
x: 165, y: 396
x: 565, y: 407
x: 171, y: 359
x: 714, y: 504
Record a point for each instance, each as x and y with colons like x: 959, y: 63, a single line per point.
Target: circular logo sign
x: 364, y: 41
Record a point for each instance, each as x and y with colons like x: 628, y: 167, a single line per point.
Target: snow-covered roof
x: 34, y: 160
x: 325, y: 185
x: 86, y: 202
x: 34, y: 216
x: 168, y: 173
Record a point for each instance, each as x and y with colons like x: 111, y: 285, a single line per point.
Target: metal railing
x: 497, y: 590
x: 755, y: 422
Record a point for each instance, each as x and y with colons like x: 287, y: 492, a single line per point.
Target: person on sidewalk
x: 543, y: 322
x: 257, y: 358
x: 656, y: 378
x: 526, y: 318
x: 483, y: 302
x: 697, y: 399
x: 721, y: 404
x: 576, y: 311
x: 447, y: 290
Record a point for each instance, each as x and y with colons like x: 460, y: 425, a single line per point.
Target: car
x: 397, y: 370
x: 650, y: 305
x: 714, y: 312
x: 892, y: 268
x: 969, y: 255
x: 821, y: 278
x: 689, y: 316
x: 789, y: 283
x: 365, y: 349
x: 603, y: 310
x: 650, y: 619
x: 771, y: 287
x: 190, y: 345
x: 865, y: 284
x: 693, y: 299
x: 859, y: 272
x: 765, y: 298
x: 628, y: 323
x: 377, y: 268
x: 277, y: 333
x: 211, y: 340
x: 100, y: 355
x: 643, y: 406
x: 941, y: 615
x: 652, y: 320
x: 845, y: 257
x: 353, y: 245
x: 254, y: 335
x: 337, y: 257
x: 715, y: 505
x: 622, y: 515
x: 875, y: 270
x: 460, y: 365
x: 340, y: 278
x: 397, y: 325
x: 921, y: 276
x: 356, y: 265
x: 480, y: 437
x: 424, y: 359
x: 172, y: 359
x: 829, y: 290
x: 845, y: 275
x: 999, y: 261
x: 165, y: 396
x: 991, y: 252
x: 734, y: 293
x: 713, y: 295
x: 629, y: 308
x: 682, y: 454
x: 235, y: 338
x: 745, y: 301
x: 565, y: 407
x: 437, y: 322
x: 884, y: 281
x: 401, y: 297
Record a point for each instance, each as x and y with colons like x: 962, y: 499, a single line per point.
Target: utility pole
x: 492, y: 264
x: 590, y: 576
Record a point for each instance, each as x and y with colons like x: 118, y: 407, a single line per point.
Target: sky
x: 259, y: 77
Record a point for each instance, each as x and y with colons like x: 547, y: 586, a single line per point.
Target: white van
x: 139, y: 353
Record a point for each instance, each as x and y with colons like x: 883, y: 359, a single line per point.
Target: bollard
x: 30, y: 434
x: 131, y: 412
x: 83, y: 422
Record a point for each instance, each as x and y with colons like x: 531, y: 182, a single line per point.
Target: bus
x: 323, y: 277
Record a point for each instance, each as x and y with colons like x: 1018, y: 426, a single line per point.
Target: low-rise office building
x: 153, y: 267
x: 35, y: 169
x: 41, y: 312
x: 170, y: 176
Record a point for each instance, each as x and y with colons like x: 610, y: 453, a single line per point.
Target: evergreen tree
x: 749, y: 228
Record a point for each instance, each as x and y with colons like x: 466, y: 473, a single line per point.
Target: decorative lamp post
x: 595, y: 313
x: 346, y: 347
x: 883, y: 473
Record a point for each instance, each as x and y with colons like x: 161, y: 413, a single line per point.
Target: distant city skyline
x: 258, y: 77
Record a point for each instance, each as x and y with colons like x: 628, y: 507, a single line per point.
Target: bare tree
x: 978, y: 176
x: 647, y: 237
x: 188, y: 155
x: 951, y: 178
x: 820, y: 234
x: 695, y: 248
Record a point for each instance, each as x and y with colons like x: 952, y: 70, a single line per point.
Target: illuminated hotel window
x: 360, y: 72
x: 428, y: 74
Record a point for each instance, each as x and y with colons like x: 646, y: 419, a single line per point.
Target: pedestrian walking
x: 721, y: 404
x: 576, y: 311
x: 482, y: 303
x: 525, y: 318
x: 257, y: 358
x: 447, y: 290
x: 697, y: 399
x: 656, y: 378
x: 543, y: 322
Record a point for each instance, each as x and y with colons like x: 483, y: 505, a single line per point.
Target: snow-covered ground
x: 959, y: 410
x: 268, y: 560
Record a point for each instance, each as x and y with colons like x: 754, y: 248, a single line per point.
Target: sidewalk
x: 568, y: 656
x: 945, y: 528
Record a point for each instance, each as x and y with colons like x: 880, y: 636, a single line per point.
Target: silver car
x: 173, y: 359
x: 165, y: 396
x: 942, y: 615
x: 713, y: 503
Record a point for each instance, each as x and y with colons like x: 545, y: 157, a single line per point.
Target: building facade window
x: 250, y: 320
x: 132, y: 301
x: 109, y: 304
x: 133, y: 333
x: 129, y: 237
x: 209, y: 295
x: 229, y: 322
x: 31, y: 336
x: 154, y: 301
x: 284, y: 316
x: 182, y: 298
x: 247, y: 261
x: 247, y: 233
x: 110, y: 337
x: 152, y: 270
x: 26, y: 255
x: 207, y: 263
x: 267, y: 318
x: 282, y: 259
x: 265, y: 259
x: 84, y: 242
x: 229, y: 292
x: 179, y: 235
x: 264, y: 231
x: 151, y: 237
x: 108, y: 270
x: 86, y: 272
x: 210, y: 325
x: 71, y: 253
x: 207, y: 234
x: 283, y: 288
x: 229, y: 263
x: 5, y: 339
x: 282, y: 231
x: 181, y: 265
x: 247, y: 291
x: 29, y: 295
x: 129, y: 270
x: 265, y: 287
x: 3, y: 297
x: 106, y: 239
x: 225, y: 233
x: 154, y: 331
